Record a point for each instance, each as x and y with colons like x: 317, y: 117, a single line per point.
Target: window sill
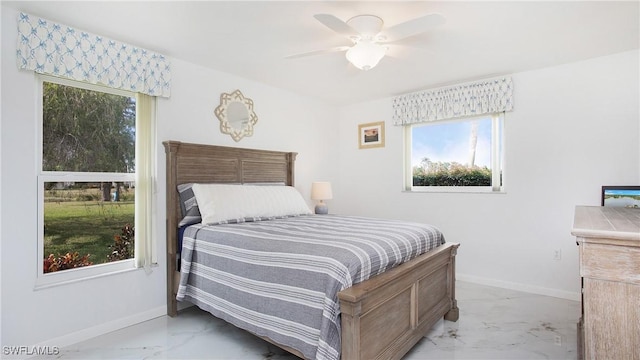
x: 71, y: 276
x: 453, y: 190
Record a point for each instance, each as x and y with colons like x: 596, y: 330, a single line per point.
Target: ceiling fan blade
x: 336, y: 25
x: 318, y: 52
x: 411, y: 28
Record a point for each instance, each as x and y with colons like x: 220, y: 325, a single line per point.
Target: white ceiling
x: 251, y: 39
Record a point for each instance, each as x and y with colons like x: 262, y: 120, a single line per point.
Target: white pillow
x: 223, y: 203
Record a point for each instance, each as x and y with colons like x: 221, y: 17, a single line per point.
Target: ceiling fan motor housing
x: 367, y: 25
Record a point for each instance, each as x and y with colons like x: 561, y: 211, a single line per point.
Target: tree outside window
x: 87, y: 175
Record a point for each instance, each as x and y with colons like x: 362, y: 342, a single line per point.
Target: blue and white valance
x: 468, y: 99
x: 50, y: 48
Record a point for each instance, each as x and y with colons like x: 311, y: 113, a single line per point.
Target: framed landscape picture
x: 621, y: 196
x: 371, y: 135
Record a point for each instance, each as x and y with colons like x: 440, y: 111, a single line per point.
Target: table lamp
x: 321, y: 190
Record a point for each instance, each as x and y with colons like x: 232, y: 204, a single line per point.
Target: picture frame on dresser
x: 621, y: 196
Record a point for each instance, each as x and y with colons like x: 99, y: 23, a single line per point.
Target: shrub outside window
x: 462, y: 155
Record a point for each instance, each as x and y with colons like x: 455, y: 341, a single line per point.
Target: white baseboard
x: 102, y: 329
x: 538, y: 290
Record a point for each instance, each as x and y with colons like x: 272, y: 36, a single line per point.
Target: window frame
x: 45, y: 280
x: 497, y: 156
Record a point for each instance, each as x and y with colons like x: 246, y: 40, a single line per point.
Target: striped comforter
x: 279, y: 278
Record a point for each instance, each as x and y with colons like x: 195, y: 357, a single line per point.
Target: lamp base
x: 322, y: 209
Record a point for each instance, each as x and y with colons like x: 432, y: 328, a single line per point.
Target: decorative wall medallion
x: 236, y: 115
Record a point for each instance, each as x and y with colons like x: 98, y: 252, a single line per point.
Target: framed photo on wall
x: 621, y: 196
x: 371, y: 135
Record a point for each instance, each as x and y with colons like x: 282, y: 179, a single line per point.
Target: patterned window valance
x: 49, y: 48
x: 469, y: 99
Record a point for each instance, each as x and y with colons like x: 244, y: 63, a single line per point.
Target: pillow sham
x: 220, y: 203
x: 188, y: 205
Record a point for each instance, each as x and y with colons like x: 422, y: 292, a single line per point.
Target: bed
x: 380, y: 316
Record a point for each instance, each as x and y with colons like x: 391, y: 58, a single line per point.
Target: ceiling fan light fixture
x: 365, y: 54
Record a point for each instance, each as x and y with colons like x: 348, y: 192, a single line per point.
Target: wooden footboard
x: 385, y: 316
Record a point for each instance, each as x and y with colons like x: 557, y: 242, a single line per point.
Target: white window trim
x: 57, y: 278
x: 496, y: 154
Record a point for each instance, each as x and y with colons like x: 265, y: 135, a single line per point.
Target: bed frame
x: 383, y: 317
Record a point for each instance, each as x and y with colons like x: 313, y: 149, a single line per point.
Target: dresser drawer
x: 610, y: 262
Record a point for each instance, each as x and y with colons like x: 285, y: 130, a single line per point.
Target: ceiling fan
x: 368, y: 37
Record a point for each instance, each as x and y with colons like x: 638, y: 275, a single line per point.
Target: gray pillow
x: 188, y: 205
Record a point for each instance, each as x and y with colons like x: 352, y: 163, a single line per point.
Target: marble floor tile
x: 503, y: 324
x: 494, y: 323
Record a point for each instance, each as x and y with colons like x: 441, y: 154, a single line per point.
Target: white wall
x: 574, y: 128
x: 69, y: 313
x: 286, y: 121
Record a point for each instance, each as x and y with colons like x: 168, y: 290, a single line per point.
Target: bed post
x: 291, y: 163
x: 454, y: 313
x: 171, y: 147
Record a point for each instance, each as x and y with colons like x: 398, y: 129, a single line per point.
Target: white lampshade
x: 365, y: 54
x: 321, y: 190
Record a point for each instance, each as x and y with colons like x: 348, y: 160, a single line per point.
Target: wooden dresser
x: 609, y: 246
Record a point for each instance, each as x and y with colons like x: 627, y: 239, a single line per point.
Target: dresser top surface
x: 602, y: 222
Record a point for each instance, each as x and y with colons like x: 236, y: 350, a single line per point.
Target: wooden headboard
x: 198, y: 163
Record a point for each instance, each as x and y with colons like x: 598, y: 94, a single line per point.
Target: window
x: 455, y: 155
x: 89, y: 164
